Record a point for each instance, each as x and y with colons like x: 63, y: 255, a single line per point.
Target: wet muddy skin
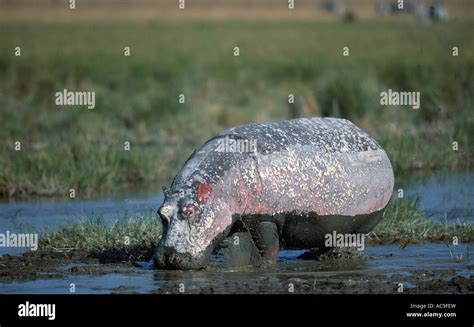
x: 380, y: 269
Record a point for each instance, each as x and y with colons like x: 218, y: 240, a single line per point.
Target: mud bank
x: 428, y: 268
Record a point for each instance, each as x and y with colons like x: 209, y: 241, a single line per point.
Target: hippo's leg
x: 239, y: 250
x: 268, y: 240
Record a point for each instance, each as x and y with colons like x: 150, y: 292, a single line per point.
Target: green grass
x: 94, y: 235
x: 402, y: 223
x: 137, y: 96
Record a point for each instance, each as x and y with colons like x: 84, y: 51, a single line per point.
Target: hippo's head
x: 192, y: 225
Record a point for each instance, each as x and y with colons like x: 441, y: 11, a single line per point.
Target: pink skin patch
x: 375, y: 204
x: 203, y: 192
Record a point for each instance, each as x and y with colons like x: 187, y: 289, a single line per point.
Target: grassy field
x: 137, y: 96
x: 216, y: 10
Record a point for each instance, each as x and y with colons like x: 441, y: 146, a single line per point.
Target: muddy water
x: 420, y: 267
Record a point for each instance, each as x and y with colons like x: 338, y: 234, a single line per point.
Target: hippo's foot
x: 239, y: 250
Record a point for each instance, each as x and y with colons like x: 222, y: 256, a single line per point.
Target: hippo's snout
x: 191, y: 227
x: 168, y: 258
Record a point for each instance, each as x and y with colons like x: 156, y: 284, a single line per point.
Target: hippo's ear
x: 203, y: 192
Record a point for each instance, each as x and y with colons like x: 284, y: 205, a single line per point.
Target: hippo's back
x: 325, y: 166
x: 327, y: 135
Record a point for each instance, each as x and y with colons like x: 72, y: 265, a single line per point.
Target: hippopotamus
x: 282, y: 184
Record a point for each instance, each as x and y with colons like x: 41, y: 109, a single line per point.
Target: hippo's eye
x: 191, y: 213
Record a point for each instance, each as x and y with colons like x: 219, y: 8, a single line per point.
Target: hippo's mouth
x: 168, y: 258
x: 178, y: 261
